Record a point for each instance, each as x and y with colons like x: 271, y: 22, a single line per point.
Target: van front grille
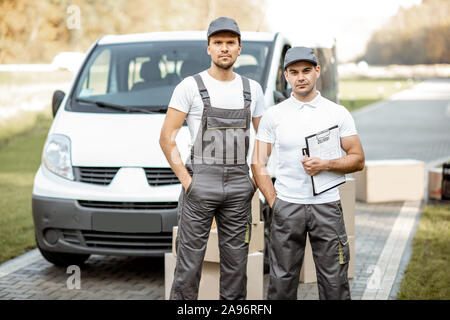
x: 161, y: 241
x: 160, y: 176
x: 128, y: 205
x: 119, y: 240
x: 96, y: 175
x: 104, y: 175
x: 71, y: 236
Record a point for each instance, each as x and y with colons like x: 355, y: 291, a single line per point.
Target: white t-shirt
x: 223, y: 94
x: 286, y: 125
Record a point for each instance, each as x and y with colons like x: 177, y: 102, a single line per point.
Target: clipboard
x: 324, y: 145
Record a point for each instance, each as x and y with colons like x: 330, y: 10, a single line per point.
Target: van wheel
x: 63, y: 259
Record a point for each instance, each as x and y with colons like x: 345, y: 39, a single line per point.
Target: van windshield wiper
x: 109, y: 105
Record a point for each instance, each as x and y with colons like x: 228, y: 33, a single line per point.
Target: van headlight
x: 57, y: 156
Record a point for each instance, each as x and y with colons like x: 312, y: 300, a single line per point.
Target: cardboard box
x: 308, y: 271
x: 209, y: 282
x: 391, y: 180
x: 212, y: 247
x: 435, y: 183
x: 347, y: 195
x: 256, y: 213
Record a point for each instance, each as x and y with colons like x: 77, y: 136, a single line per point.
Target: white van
x: 104, y: 185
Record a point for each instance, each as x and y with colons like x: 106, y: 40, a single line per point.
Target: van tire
x: 63, y: 259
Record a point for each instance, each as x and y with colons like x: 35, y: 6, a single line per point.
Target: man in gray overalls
x: 218, y: 105
x: 296, y: 210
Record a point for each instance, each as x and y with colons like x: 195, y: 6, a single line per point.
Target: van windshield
x: 144, y: 75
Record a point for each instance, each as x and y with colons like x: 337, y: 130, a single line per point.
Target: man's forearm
x: 172, y: 154
x: 264, y: 182
x: 346, y: 164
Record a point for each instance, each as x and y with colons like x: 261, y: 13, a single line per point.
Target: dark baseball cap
x: 296, y: 54
x: 223, y: 24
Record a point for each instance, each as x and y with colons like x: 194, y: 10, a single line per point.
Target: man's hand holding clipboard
x: 313, y: 165
x: 320, y: 148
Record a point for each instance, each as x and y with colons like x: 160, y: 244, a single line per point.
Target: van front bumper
x: 104, y: 228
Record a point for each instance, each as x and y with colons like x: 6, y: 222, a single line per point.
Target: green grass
x: 427, y: 275
x: 17, y: 125
x: 357, y: 93
x: 355, y: 104
x: 20, y: 157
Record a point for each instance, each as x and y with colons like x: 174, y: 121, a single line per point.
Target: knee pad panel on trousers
x: 283, y: 288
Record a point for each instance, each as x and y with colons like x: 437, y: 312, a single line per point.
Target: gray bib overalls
x: 220, y: 188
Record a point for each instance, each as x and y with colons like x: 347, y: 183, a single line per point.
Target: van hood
x: 116, y: 139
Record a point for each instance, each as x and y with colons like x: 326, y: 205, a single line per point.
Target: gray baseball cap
x: 296, y: 54
x: 223, y: 24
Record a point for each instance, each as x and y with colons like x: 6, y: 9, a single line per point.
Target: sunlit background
x: 380, y: 31
x: 382, y: 47
x: 350, y: 22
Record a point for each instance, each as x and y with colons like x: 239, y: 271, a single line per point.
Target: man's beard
x: 224, y: 66
x: 304, y: 93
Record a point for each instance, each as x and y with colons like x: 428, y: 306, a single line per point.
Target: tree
x: 417, y: 35
x: 35, y: 31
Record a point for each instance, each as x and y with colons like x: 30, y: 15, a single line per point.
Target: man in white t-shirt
x: 296, y: 210
x: 219, y: 107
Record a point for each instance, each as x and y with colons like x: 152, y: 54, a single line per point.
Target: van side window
x: 282, y: 85
x: 96, y: 83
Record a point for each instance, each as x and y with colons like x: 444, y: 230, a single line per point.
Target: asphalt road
x: 413, y: 124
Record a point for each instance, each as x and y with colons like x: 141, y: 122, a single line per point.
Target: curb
x: 19, y: 262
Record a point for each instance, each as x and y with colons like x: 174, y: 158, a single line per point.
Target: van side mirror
x: 278, y: 96
x: 58, y: 97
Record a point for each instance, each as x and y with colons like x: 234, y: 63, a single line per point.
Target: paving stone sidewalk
x: 417, y: 118
x: 136, y: 278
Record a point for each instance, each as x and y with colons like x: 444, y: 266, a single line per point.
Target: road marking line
x: 19, y: 262
x: 390, y: 258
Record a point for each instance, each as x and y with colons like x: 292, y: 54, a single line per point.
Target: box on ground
x: 209, y: 283
x: 391, y: 180
x: 256, y: 214
x: 347, y: 195
x: 435, y: 183
x: 212, y: 247
x: 308, y: 271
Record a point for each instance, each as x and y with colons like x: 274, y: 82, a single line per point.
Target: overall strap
x: 247, y: 103
x: 206, y: 103
x: 246, y: 91
x: 202, y: 90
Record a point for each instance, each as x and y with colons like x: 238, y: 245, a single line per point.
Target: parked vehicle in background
x: 104, y: 185
x: 68, y: 60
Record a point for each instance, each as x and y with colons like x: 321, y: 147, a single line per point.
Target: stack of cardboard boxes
x: 347, y: 194
x: 391, y: 180
x: 209, y: 283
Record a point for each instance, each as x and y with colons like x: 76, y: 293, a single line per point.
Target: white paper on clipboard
x: 325, y: 144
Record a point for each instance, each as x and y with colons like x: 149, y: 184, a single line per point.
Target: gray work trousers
x: 224, y: 193
x: 325, y: 225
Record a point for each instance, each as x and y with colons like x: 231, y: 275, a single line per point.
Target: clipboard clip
x: 305, y: 152
x: 323, y: 136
